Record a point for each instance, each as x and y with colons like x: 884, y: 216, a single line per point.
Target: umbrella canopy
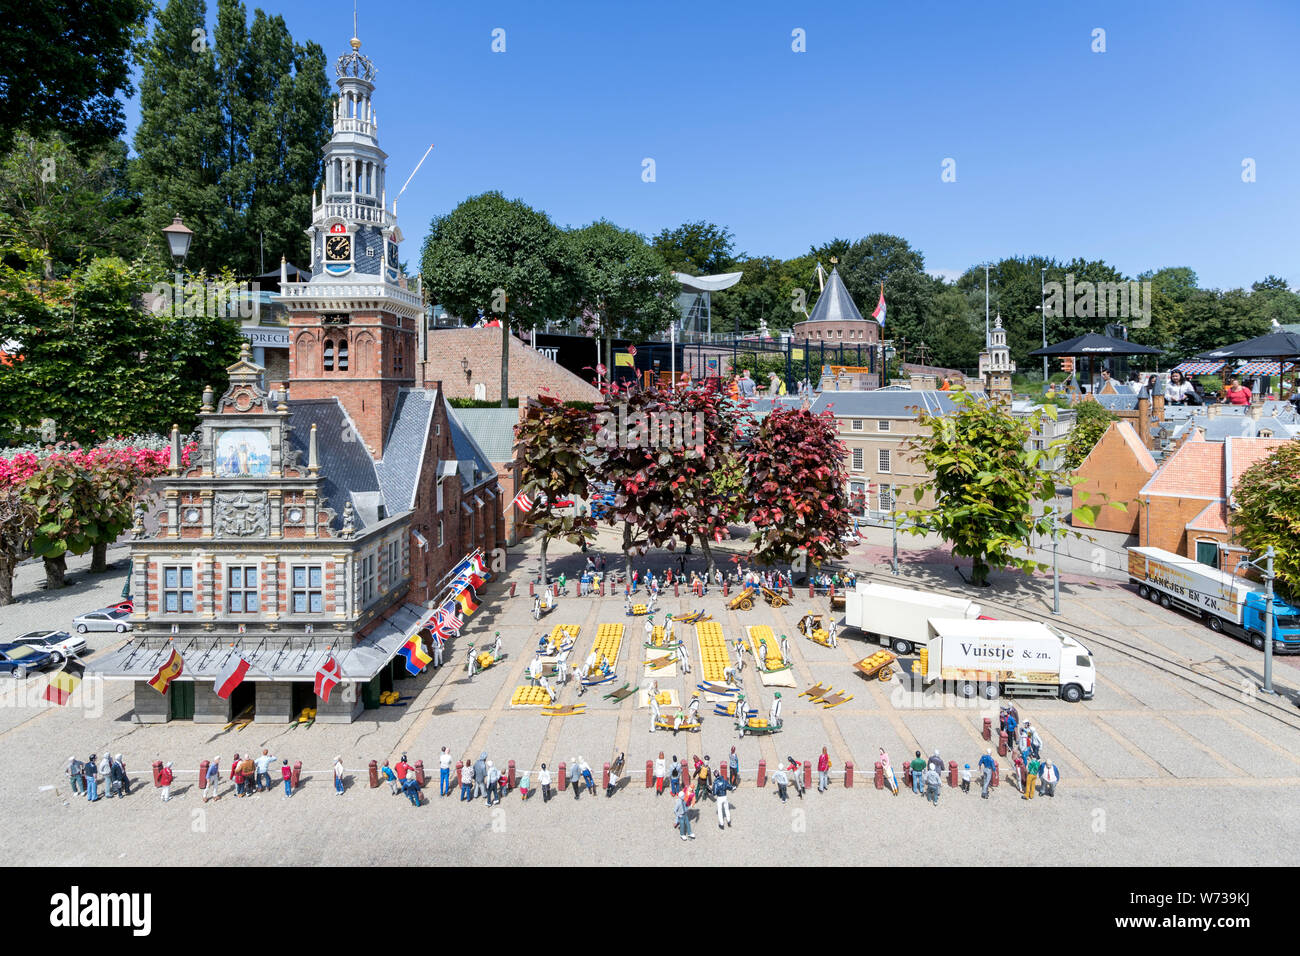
x: 1096, y: 344
x: 1279, y: 344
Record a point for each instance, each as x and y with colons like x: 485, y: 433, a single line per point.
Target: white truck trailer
x: 1008, y: 657
x: 899, y: 617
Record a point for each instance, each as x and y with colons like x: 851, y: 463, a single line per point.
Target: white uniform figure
x: 437, y: 653
x: 668, y: 631
x: 654, y: 713
x: 546, y: 686
x: 649, y: 629
x: 562, y: 668
x: 535, y: 670
x: 683, y: 659
x: 831, y: 632
x: 730, y: 675
x: 589, y: 668
x: 774, y: 715
x: 785, y: 649
x: 693, y: 711
x: 472, y: 664
x: 496, y: 646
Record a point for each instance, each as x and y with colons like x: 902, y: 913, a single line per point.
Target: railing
x: 356, y: 212
x: 348, y: 124
x: 350, y: 290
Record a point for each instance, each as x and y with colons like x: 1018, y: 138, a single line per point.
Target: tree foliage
x: 991, y: 495
x: 797, y: 494
x: 553, y: 445
x: 1091, y: 419
x: 696, y: 248
x: 1267, y: 512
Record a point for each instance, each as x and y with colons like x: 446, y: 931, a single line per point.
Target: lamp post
x: 178, y: 243
x: 1042, y: 308
x: 1267, y: 572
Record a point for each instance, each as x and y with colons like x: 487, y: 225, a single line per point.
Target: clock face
x: 338, y: 248
x: 392, y: 254
x: 295, y: 515
x: 192, y: 515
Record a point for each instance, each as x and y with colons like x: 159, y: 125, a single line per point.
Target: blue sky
x: 1133, y: 155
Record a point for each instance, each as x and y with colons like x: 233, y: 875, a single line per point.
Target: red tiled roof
x: 1213, y: 517
x: 1195, y: 470
x: 1247, y: 451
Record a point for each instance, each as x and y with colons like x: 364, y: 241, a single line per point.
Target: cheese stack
x: 714, y: 659
x: 529, y: 697
x: 759, y: 633
x: 561, y: 633
x: 609, y: 638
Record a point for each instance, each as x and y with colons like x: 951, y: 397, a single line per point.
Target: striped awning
x: 1199, y: 368
x: 1262, y: 367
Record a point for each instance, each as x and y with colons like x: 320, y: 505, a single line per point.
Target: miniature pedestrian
x: 493, y: 784
x: 120, y: 779
x: 248, y: 770
x: 683, y: 659
x: 823, y: 771
x: 782, y: 781
x: 544, y: 781
x: 932, y: 783
x: 702, y: 778
x: 720, y: 788
x: 986, y: 772
x: 785, y: 649
x: 661, y: 769
x: 105, y: 773
x: 936, y: 762
x: 401, y: 769
x: 918, y: 768
x: 390, y: 775
x: 467, y: 781
x: 525, y: 785
x: 213, y: 781
x: 437, y: 652
x: 165, y: 778
x: 1031, y: 777
x: 338, y: 775
x: 90, y: 770
x: 411, y: 787
x: 587, y: 780
x: 682, y: 815
x: 287, y: 776
x: 444, y: 773
x: 831, y: 632
x: 480, y: 776
x: 654, y: 712
x: 965, y: 779
x: 774, y: 713
x: 674, y: 776
x: 1050, y: 776
x: 733, y: 764
x: 76, y: 772
x: 262, y: 767
x: 1018, y: 765
x: 1035, y: 741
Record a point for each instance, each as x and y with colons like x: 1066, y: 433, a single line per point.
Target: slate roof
x: 408, y: 436
x: 1116, y: 403
x: 347, y: 470
x: 883, y: 403
x: 493, y: 429
x: 474, y: 464
x: 835, y: 304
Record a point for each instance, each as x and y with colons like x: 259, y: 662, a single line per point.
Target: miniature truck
x: 899, y: 617
x: 1227, y: 603
x: 1008, y: 657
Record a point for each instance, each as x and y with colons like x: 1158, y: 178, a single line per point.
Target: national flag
x: 475, y: 581
x: 171, y: 669
x: 230, y: 676
x: 523, y: 502
x: 327, y: 678
x: 414, y: 654
x: 433, y: 631
x: 448, y: 620
x: 465, y: 599
x: 879, y: 314
x: 65, y: 682
x: 480, y: 565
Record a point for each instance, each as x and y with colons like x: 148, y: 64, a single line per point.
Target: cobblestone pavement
x: 1174, y: 761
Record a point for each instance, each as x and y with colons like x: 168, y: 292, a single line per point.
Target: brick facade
x: 451, y: 351
x: 1115, y: 471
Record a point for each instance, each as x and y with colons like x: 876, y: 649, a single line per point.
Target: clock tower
x: 354, y: 324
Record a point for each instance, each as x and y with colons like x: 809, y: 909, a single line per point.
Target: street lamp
x: 1042, y: 308
x: 1264, y: 565
x: 178, y: 238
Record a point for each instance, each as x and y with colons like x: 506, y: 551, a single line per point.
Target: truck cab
x: 1286, y: 623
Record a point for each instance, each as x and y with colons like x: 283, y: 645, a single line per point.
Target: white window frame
x: 243, y: 589
x: 439, y: 497
x: 857, y: 425
x: 884, y: 425
x: 308, y: 590
x: 366, y: 579
x: 859, y: 460
x: 440, y: 532
x: 886, y: 497
x: 885, y: 461
x: 179, y: 589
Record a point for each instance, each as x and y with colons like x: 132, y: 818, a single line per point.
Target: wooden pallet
x: 568, y: 710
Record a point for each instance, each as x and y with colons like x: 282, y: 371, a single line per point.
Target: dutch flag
x: 879, y: 314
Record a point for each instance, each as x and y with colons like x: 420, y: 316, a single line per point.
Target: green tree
x: 992, y: 495
x: 1091, y: 419
x: 622, y: 283
x: 949, y: 331
x: 250, y: 111
x: 1267, y: 513
x: 696, y: 248
x: 883, y: 258
x: 503, y: 258
x: 70, y: 207
x: 66, y: 66
x: 17, y: 521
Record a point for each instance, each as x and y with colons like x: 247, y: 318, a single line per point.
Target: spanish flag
x: 466, y: 601
x: 172, y: 669
x: 65, y: 682
x: 414, y: 654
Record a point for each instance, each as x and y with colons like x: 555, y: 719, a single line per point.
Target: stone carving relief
x: 241, y: 514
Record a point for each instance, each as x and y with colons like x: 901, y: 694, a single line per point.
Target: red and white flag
x: 879, y: 313
x: 523, y: 502
x: 230, y: 676
x: 327, y: 678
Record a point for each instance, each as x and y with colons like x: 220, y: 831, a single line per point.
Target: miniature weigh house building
x: 318, y: 519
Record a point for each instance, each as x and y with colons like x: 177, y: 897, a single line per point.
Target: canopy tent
x: 1278, y: 345
x: 1092, y: 345
x: 1198, y: 368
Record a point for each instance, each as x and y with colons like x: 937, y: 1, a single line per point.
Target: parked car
x: 127, y: 606
x: 59, y: 644
x: 19, y: 660
x: 104, y: 619
x: 601, y: 503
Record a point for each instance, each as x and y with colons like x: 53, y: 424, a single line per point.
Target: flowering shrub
x: 147, y: 456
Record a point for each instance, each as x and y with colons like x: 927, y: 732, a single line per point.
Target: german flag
x: 65, y: 682
x: 171, y: 669
x: 466, y: 601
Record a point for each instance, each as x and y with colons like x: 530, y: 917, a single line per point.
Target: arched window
x: 343, y: 355
x: 328, y: 360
